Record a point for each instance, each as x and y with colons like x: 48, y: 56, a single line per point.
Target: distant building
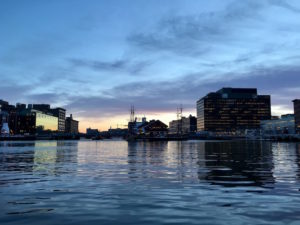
x: 40, y: 107
x: 7, y: 117
x: 4, y: 123
x: 20, y: 106
x: 283, y: 125
x: 31, y: 121
x: 60, y: 113
x: 174, y: 126
x: 231, y: 110
x: 71, y: 125
x: 184, y: 126
x: 153, y: 128
x: 45, y: 121
x: 134, y: 125
x: 297, y: 114
x: 92, y: 132
x: 3, y: 116
x: 26, y: 123
x: 118, y: 132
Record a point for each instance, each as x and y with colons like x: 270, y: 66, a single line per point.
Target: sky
x: 96, y: 58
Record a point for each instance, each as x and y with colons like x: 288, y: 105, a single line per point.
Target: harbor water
x: 175, y: 182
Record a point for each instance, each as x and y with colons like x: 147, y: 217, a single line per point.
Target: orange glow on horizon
x: 121, y: 121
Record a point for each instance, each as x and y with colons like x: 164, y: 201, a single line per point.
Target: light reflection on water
x: 115, y: 182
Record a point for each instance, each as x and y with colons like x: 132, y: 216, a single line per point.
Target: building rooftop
x: 229, y: 90
x: 235, y: 93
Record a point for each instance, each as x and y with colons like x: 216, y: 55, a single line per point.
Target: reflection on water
x: 149, y: 182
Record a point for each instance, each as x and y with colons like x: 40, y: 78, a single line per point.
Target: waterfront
x: 118, y: 182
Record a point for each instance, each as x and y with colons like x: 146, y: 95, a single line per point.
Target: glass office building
x: 45, y: 121
x: 33, y: 121
x: 230, y: 110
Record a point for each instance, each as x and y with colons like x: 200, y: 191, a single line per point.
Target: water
x: 115, y: 182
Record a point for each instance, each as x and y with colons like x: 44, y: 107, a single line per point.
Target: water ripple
x: 115, y: 182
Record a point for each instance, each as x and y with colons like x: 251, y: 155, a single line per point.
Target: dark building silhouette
x: 297, y: 114
x: 40, y: 107
x: 8, y: 114
x: 34, y: 121
x: 25, y: 122
x: 134, y: 124
x: 153, y: 128
x: 185, y: 125
x: 34, y: 118
x: 92, y: 132
x: 232, y: 110
x: 118, y: 132
x: 71, y: 125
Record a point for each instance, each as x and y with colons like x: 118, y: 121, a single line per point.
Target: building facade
x: 71, y: 125
x: 231, y: 110
x: 60, y: 113
x: 45, y: 121
x: 133, y: 126
x: 185, y: 125
x: 283, y: 125
x: 297, y: 114
x: 35, y: 121
x: 153, y: 128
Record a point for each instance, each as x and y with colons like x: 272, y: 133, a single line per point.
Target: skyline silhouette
x: 97, y: 58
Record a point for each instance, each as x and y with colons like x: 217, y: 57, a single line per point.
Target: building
x: 185, y: 125
x: 283, y: 125
x: 31, y: 121
x: 118, y: 132
x: 40, y: 107
x: 133, y: 126
x: 175, y: 127
x: 189, y: 124
x: 92, y: 132
x: 232, y: 110
x: 4, y: 123
x: 34, y: 118
x: 7, y: 117
x: 297, y: 114
x: 35, y: 121
x: 60, y: 113
x: 3, y: 117
x: 153, y: 128
x: 45, y: 121
x: 71, y: 125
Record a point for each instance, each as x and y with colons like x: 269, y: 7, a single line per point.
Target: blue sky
x: 96, y: 58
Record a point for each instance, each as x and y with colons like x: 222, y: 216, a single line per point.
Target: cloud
x: 46, y: 98
x: 281, y: 82
x: 284, y: 4
x: 13, y: 92
x: 198, y: 35
x: 128, y: 65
